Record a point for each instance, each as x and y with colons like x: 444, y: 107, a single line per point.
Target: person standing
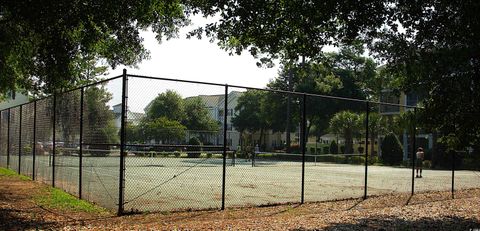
x: 419, y: 163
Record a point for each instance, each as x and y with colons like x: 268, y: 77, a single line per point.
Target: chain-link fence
x: 140, y: 143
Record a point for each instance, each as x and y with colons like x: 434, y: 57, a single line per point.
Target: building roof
x: 218, y: 100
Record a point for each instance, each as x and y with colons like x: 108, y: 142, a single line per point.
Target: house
x: 215, y: 105
x: 132, y: 117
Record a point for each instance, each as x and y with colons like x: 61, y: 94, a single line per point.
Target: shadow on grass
x: 396, y: 223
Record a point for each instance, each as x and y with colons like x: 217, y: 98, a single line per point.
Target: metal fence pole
x: 8, y: 138
x: 121, y: 182
x: 366, y: 151
x: 224, y: 146
x: 453, y: 174
x: 80, y: 152
x: 414, y: 131
x: 303, y: 138
x: 20, y: 141
x: 34, y: 148
x: 54, y: 138
x: 1, y: 140
x: 1, y: 132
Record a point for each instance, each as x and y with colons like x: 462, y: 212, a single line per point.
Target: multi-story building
x: 409, y: 99
x: 132, y: 117
x: 215, y: 105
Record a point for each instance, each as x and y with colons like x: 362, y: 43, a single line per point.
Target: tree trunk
x: 433, y: 149
x: 289, y: 99
x: 372, y: 144
x: 260, y: 140
x: 348, y: 143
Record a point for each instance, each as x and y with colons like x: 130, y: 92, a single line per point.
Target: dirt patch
x: 19, y: 211
x: 426, y: 211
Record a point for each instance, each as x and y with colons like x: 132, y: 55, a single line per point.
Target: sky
x: 188, y: 59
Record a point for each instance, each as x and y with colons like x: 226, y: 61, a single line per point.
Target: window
x: 412, y: 99
x: 389, y: 97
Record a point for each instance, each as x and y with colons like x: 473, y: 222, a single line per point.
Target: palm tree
x: 405, y: 123
x: 348, y: 125
x: 376, y: 126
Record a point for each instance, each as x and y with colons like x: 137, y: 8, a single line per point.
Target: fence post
x: 303, y: 138
x: 8, y: 138
x: 54, y: 138
x: 366, y: 150
x: 453, y: 174
x: 1, y: 140
x: 224, y: 145
x: 1, y: 133
x: 80, y: 152
x: 414, y: 156
x: 121, y: 182
x: 20, y: 142
x: 34, y: 148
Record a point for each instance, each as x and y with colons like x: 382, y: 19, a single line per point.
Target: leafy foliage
x: 168, y: 104
x: 197, y: 116
x: 99, y: 120
x: 348, y: 125
x: 333, y: 147
x: 377, y: 125
x: 164, y: 129
x: 286, y: 29
x: 429, y: 47
x: 392, y: 151
x: 252, y: 113
x: 169, y: 116
x: 195, y: 151
x: 44, y: 44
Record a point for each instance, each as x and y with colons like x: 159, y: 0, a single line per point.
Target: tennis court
x: 169, y: 183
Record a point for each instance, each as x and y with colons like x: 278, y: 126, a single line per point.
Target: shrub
x: 360, y: 149
x: 195, y: 151
x: 392, y: 152
x: 325, y: 149
x: 27, y: 149
x: 177, y: 154
x: 99, y: 149
x: 374, y: 160
x: 295, y: 149
x: 333, y: 147
x: 342, y: 149
x: 312, y: 150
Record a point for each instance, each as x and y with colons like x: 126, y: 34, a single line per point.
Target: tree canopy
x: 429, y: 47
x: 287, y: 29
x: 348, y: 125
x: 169, y: 116
x: 42, y: 43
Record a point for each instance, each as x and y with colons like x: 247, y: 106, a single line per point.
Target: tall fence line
x: 206, y: 156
